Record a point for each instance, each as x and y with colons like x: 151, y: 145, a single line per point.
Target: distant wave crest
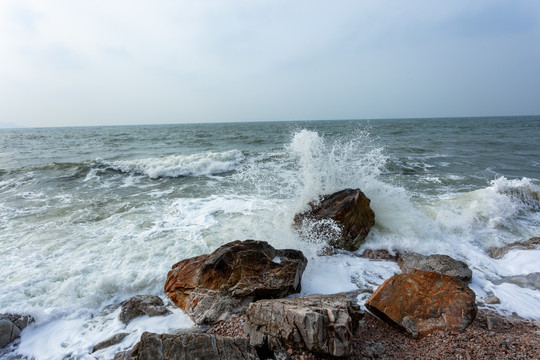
x: 522, y: 191
x: 200, y: 164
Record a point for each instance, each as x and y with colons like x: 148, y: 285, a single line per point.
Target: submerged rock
x: 347, y: 211
x: 212, y: 287
x: 113, y: 340
x: 531, y: 281
x: 380, y: 254
x: 499, y: 252
x: 11, y: 326
x: 140, y: 305
x: 442, y: 264
x: 492, y: 300
x: 323, y: 324
x: 189, y: 346
x: 422, y: 302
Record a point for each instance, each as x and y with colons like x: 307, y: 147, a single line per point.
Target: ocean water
x: 92, y: 216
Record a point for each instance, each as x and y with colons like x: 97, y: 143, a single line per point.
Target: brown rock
x: 212, y: 287
x: 349, y: 210
x: 493, y: 300
x: 379, y: 255
x: 422, y: 302
x: 443, y: 264
x: 530, y: 244
x: 189, y: 346
x: 324, y: 324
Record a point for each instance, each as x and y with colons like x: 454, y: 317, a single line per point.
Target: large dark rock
x: 422, y: 302
x: 347, y: 210
x: 189, y: 346
x: 140, y: 305
x: 11, y: 326
x: 443, y: 264
x: 323, y: 324
x: 530, y: 244
x: 210, y: 288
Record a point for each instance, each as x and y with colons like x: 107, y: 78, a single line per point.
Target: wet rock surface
x: 499, y: 252
x: 380, y: 255
x: 11, y: 326
x: 347, y: 210
x: 140, y: 305
x: 531, y: 281
x: 189, y: 346
x: 113, y: 340
x: 422, y: 302
x: 490, y: 336
x: 442, y: 264
x: 322, y: 324
x: 212, y: 287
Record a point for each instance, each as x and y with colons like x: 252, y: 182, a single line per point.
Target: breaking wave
x: 200, y: 164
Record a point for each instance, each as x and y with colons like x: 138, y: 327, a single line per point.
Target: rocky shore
x: 490, y: 336
x: 242, y: 299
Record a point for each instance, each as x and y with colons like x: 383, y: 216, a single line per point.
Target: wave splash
x: 328, y: 167
x: 502, y: 212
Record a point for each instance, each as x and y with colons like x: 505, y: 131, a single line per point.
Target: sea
x: 90, y: 216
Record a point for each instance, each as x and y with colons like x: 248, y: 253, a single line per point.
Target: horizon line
x: 17, y: 126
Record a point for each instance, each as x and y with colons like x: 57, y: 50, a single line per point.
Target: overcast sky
x: 105, y: 62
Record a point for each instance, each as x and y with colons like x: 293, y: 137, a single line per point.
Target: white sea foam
x: 207, y: 163
x: 75, y: 338
x: 518, y: 262
x: 522, y: 301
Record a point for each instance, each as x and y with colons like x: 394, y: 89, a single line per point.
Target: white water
x: 84, y: 263
x: 207, y: 163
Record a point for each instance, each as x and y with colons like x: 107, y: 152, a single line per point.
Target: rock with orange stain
x: 212, y: 287
x: 422, y: 302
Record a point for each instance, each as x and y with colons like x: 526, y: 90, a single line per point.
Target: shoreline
x: 490, y: 336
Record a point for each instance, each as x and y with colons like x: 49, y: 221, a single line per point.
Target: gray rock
x: 140, y: 305
x: 113, y: 340
x: 123, y: 355
x: 323, y: 324
x: 189, y: 346
x: 493, y: 322
x: 373, y: 349
x: 11, y: 326
x: 281, y: 355
x: 531, y: 281
x: 442, y: 264
x: 213, y: 306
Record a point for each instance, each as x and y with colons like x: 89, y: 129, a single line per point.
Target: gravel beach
x: 490, y: 336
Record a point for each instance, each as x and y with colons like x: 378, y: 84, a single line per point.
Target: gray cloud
x: 121, y: 62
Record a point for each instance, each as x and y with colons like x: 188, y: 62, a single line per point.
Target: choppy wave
x: 104, y: 236
x: 522, y: 191
x: 201, y: 164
